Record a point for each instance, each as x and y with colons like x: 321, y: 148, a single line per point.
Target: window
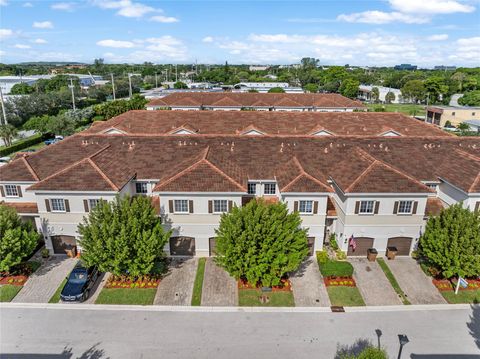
x: 405, y: 207
x: 305, y: 207
x: 58, y: 205
x: 11, y: 190
x: 220, y: 206
x: 181, y: 206
x: 93, y: 203
x: 432, y: 186
x: 270, y: 188
x: 141, y: 187
x: 473, y: 113
x: 366, y: 207
x: 453, y: 113
x: 252, y: 188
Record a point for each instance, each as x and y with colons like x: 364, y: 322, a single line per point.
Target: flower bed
x: 339, y: 282
x: 286, y: 286
x: 13, y: 279
x: 137, y: 283
x: 446, y: 285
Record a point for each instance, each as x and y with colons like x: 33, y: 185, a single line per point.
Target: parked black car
x: 79, y: 283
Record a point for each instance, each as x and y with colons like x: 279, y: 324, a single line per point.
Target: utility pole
x: 129, y: 86
x: 176, y: 72
x: 3, y: 107
x: 73, y: 93
x: 156, y: 80
x: 113, y: 86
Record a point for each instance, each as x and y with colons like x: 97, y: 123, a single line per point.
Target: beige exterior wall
x: 458, y: 115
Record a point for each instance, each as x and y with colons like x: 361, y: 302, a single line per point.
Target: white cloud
x: 430, y: 6
x: 164, y: 19
x: 116, y: 44
x: 43, y: 25
x: 22, y: 46
x: 380, y: 17
x: 126, y: 8
x: 63, y: 6
x: 27, y: 4
x: 467, y: 48
x: 40, y: 41
x: 5, y: 33
x: 3, y: 3
x: 438, y: 37
x: 207, y: 39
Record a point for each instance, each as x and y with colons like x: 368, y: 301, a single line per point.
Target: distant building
x: 365, y: 93
x: 258, y: 68
x: 439, y: 115
x: 7, y: 82
x: 407, y: 67
x: 474, y: 125
x: 445, y: 68
x: 264, y: 87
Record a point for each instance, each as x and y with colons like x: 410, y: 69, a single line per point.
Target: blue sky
x: 387, y: 32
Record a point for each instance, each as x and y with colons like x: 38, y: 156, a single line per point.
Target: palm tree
x: 8, y: 134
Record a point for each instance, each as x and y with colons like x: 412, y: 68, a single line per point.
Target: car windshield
x: 78, y: 277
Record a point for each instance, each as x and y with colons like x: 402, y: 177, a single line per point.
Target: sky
x: 361, y: 32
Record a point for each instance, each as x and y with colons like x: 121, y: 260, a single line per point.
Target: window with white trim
x: 141, y: 187
x: 252, y: 188
x: 93, y: 203
x: 405, y: 207
x: 58, y: 205
x: 220, y: 206
x: 269, y: 188
x: 180, y: 206
x: 11, y: 190
x: 305, y: 207
x: 366, y: 207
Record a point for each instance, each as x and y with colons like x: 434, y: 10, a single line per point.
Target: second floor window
x: 366, y: 207
x: 405, y: 207
x: 270, y: 188
x: 11, y: 190
x: 58, y: 204
x: 305, y: 206
x: 181, y: 206
x: 93, y: 203
x: 252, y: 188
x: 141, y: 187
x: 220, y: 206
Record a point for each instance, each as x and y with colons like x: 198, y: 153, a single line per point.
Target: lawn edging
x: 198, y: 284
x: 393, y: 281
x: 56, y: 296
x: 8, y: 292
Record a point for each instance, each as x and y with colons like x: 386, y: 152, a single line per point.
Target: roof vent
x: 325, y: 150
x: 131, y: 145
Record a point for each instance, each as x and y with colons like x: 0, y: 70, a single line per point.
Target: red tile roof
x: 434, y: 206
x: 22, y: 207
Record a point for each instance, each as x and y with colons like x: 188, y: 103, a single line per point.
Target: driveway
x: 219, y: 289
x: 42, y: 284
x: 415, y: 284
x: 308, y: 287
x: 373, y: 284
x: 176, y: 287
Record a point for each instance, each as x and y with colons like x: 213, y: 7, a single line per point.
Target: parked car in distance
x: 79, y: 283
x: 51, y: 141
x: 4, y: 160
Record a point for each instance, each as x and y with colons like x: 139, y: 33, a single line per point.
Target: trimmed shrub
x: 22, y: 144
x: 322, y: 257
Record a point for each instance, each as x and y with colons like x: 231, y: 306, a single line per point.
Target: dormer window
x: 270, y: 188
x: 141, y: 188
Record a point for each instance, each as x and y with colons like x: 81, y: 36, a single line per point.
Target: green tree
x: 389, y: 97
x: 260, y: 242
x: 38, y: 124
x: 471, y: 98
x: 375, y: 94
x: 8, y: 134
x: 180, y: 85
x: 276, y: 90
x: 123, y: 236
x: 17, y: 239
x: 21, y: 89
x: 349, y: 88
x: 414, y: 90
x: 435, y: 88
x: 311, y: 87
x: 451, y: 242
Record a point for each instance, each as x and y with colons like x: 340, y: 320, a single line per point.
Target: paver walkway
x: 42, y: 284
x: 415, y: 284
x: 373, y: 284
x: 176, y: 287
x: 219, y: 289
x: 308, y: 287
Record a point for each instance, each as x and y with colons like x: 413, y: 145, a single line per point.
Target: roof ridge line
x: 363, y: 174
x: 30, y: 168
x: 477, y: 179
x: 468, y: 154
x: 224, y: 174
x: 105, y: 177
x: 304, y: 173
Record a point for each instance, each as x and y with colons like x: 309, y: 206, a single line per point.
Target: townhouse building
x: 378, y: 189
x: 228, y: 101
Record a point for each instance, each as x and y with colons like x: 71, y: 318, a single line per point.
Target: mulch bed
x: 339, y: 282
x: 286, y: 286
x: 13, y: 279
x: 127, y: 282
x: 447, y: 285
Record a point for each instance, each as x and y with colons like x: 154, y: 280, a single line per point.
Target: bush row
x: 22, y: 144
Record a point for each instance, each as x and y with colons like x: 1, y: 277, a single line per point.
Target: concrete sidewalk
x: 309, y: 290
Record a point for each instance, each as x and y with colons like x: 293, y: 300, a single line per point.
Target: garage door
x: 182, y: 246
x: 402, y: 243
x: 363, y: 243
x: 63, y: 243
x: 311, y: 244
x: 211, y: 246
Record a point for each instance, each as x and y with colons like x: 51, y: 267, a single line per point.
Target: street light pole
x: 113, y: 86
x: 73, y: 93
x: 156, y: 80
x: 129, y: 86
x: 403, y: 339
x: 3, y: 107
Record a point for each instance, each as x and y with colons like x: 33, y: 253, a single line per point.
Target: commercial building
x: 407, y: 67
x: 264, y: 87
x: 379, y: 189
x: 441, y: 115
x: 365, y: 93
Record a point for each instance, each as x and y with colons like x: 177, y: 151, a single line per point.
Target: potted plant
x: 372, y: 254
x: 391, y: 252
x: 45, y: 253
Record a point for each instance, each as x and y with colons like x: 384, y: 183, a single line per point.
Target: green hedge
x: 331, y: 268
x: 20, y: 145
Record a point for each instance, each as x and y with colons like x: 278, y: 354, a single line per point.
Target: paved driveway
x: 42, y: 284
x: 219, y: 289
x: 415, y: 284
x: 373, y: 284
x: 308, y: 287
x: 176, y: 288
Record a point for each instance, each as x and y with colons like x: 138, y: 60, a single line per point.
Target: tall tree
x: 349, y: 88
x: 414, y: 90
x: 8, y: 134
x: 389, y: 97
x: 375, y: 94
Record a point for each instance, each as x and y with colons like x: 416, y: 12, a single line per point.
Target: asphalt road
x: 107, y: 333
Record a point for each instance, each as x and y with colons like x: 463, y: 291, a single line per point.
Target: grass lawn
x: 56, y: 297
x: 408, y: 109
x: 392, y: 280
x: 345, y: 296
x: 250, y: 298
x: 197, y: 286
x: 126, y: 296
x: 8, y: 292
x: 463, y: 296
